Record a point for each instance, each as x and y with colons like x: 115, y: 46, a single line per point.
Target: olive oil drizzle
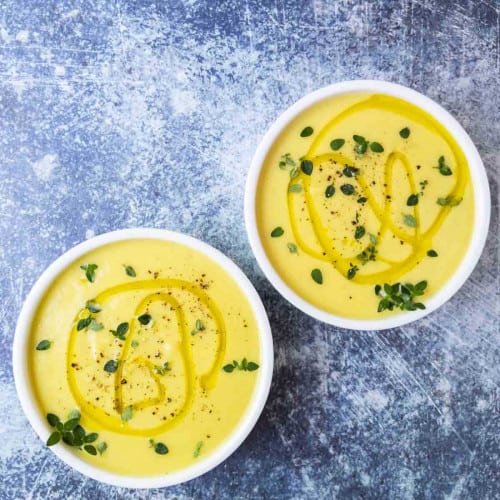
x: 420, y: 242
x: 207, y: 380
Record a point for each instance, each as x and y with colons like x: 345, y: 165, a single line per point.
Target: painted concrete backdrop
x: 117, y: 113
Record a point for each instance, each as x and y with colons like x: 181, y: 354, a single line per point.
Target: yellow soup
x: 157, y: 348
x: 361, y: 191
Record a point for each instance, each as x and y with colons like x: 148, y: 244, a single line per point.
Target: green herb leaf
x: 409, y: 220
x: 277, y: 232
x: 161, y: 369
x: 404, y: 133
x: 89, y: 271
x: 90, y: 438
x: 197, y: 450
x: 362, y: 199
x: 199, y: 325
x: 252, y: 366
x: 134, y: 343
x: 122, y: 328
x: 330, y: 191
x: 90, y: 449
x: 144, y: 319
x: 307, y: 132
x: 352, y: 272
x: 361, y: 144
x: 43, y: 345
x: 52, y: 419
x: 295, y: 188
x: 432, y: 253
x: 349, y: 171
x: 412, y: 200
x: 317, y: 276
x: 306, y: 166
x: 359, y: 233
x: 127, y: 414
x: 336, y: 144
x: 93, y: 306
x: 102, y: 447
x: 74, y: 414
x: 130, y: 271
x: 228, y: 368
x: 376, y: 147
x: 400, y: 296
x: 70, y: 424
x: 79, y: 432
x: 347, y: 189
x: 83, y: 323
x: 161, y: 449
x: 53, y: 438
x: 359, y: 139
x: 95, y: 326
x: 292, y: 247
x: 449, y: 201
x: 373, y: 239
x: 443, y: 168
x: 294, y: 172
x: 111, y: 366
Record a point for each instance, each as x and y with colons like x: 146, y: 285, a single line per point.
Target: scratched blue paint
x: 146, y: 113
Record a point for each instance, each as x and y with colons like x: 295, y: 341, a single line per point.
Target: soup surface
x: 152, y: 346
x: 365, y: 206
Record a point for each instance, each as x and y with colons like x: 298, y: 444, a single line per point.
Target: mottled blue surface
x: 122, y: 113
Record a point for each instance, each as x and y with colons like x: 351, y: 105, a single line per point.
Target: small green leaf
x: 443, y: 168
x: 336, y: 144
x: 277, y: 232
x: 352, y: 272
x: 412, y: 200
x: 90, y: 449
x: 306, y: 166
x: 90, y: 438
x: 111, y: 366
x: 74, y: 414
x: 130, y: 271
x: 349, y: 171
x: 197, y: 450
x: 71, y: 424
x: 295, y: 188
x: 376, y: 147
x: 53, y: 438
x: 228, y: 368
x: 362, y: 199
x: 127, y: 414
x: 307, y: 132
x: 52, y: 419
x: 373, y: 239
x: 330, y: 191
x: 102, y: 447
x: 83, y: 323
x: 252, y: 366
x: 404, y: 133
x: 89, y: 271
x: 79, y: 432
x: 432, y: 253
x: 359, y: 139
x: 144, y: 319
x: 317, y: 276
x: 92, y: 306
x: 95, y: 326
x: 347, y: 189
x: 199, y: 325
x: 134, y: 343
x: 122, y: 328
x: 449, y: 201
x: 161, y: 449
x: 409, y: 220
x: 292, y: 247
x: 294, y: 172
x: 359, y: 233
x: 43, y: 345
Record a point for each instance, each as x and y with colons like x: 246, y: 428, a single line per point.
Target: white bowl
x: 479, y: 182
x: 38, y: 420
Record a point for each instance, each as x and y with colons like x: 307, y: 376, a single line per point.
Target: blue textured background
x: 140, y: 113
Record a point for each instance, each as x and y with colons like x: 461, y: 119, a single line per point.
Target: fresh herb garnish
x: 144, y: 319
x: 412, y: 200
x: 362, y: 199
x: 130, y: 271
x: 72, y: 433
x: 111, y: 366
x: 120, y: 331
x: 197, y: 450
x: 161, y: 448
x: 127, y: 414
x: 292, y: 247
x: 423, y: 185
x: 134, y: 343
x: 198, y: 327
x: 277, y: 232
x: 432, y: 253
x: 307, y: 132
x: 93, y: 306
x: 162, y: 369
x: 295, y: 188
x: 404, y: 133
x: 352, y: 272
x: 95, y: 325
x: 336, y: 144
x: 43, y: 345
x: 294, y: 172
x: 347, y: 189
x: 449, y: 201
x: 83, y: 323
x: 442, y: 167
x: 373, y: 239
x: 102, y: 447
x: 400, y: 296
x: 359, y: 233
x: 89, y: 271
x: 317, y: 276
x: 409, y: 220
x: 366, y: 255
x: 246, y: 366
x: 361, y: 144
x: 349, y: 171
x: 306, y: 166
x: 376, y: 147
x: 330, y: 191
x: 286, y: 159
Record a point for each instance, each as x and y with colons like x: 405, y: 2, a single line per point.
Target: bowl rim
x: 25, y: 390
x: 479, y: 182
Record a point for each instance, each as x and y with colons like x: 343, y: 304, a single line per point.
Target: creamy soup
x: 365, y: 206
x: 144, y: 356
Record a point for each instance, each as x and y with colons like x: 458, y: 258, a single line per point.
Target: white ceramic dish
x: 479, y: 182
x: 38, y: 421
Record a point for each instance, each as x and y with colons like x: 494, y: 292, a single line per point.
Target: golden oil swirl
x: 207, y: 380
x: 419, y: 241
